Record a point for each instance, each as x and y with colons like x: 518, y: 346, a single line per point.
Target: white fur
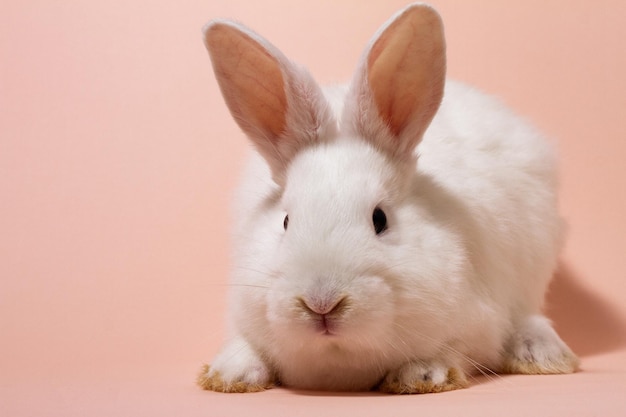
x: 472, y: 243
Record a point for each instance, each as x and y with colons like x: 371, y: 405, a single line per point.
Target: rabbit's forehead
x: 344, y: 175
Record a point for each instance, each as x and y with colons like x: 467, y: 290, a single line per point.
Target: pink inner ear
x: 250, y: 79
x: 406, y: 68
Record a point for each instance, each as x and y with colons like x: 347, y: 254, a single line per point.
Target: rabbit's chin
x: 329, y: 362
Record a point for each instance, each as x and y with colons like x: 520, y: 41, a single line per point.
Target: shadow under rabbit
x: 586, y: 322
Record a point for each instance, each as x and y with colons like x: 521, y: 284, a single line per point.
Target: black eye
x: 286, y: 222
x: 379, y: 219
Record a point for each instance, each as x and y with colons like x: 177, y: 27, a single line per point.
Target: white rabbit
x: 386, y: 238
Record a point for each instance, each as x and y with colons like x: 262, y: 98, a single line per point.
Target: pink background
x: 118, y: 160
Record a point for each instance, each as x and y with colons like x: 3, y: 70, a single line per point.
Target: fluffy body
x: 455, y: 284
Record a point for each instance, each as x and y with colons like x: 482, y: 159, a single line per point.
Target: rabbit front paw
x: 421, y: 377
x: 236, y: 369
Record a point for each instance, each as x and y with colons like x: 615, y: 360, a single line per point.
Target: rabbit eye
x: 379, y: 219
x: 286, y: 222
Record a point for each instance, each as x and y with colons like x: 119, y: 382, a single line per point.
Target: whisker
x: 234, y: 284
x: 250, y: 269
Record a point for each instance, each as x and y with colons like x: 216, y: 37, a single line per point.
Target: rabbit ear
x: 278, y: 105
x: 399, y: 85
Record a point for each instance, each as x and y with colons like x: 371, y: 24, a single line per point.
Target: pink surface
x: 118, y: 160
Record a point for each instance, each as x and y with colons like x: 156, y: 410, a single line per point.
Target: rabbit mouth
x: 326, y: 326
x: 325, y: 314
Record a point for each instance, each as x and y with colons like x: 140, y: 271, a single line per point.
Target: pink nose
x: 324, y: 306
